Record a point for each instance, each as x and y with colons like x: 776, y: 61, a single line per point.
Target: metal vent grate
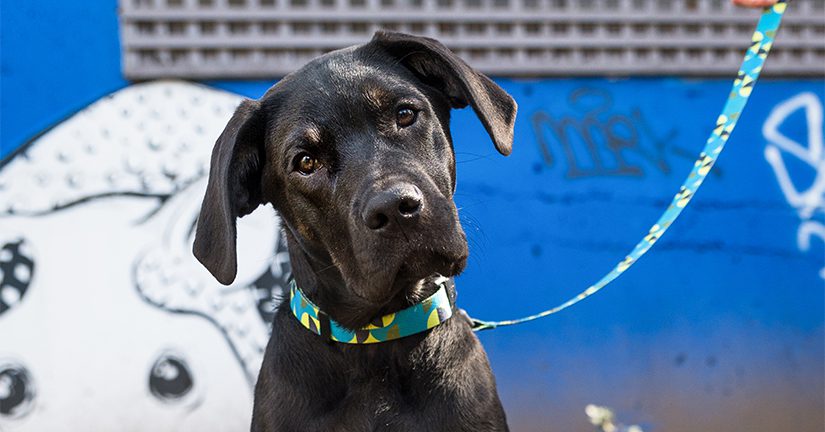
x: 270, y: 38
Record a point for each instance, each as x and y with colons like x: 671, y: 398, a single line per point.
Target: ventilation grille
x: 270, y: 38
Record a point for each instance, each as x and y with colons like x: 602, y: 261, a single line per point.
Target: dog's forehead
x: 349, y: 77
x: 337, y: 91
x: 347, y: 66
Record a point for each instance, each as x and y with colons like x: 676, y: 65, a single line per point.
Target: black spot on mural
x: 16, y: 391
x: 271, y: 285
x: 16, y: 270
x: 170, y: 378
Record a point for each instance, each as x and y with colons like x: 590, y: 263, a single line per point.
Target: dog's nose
x: 400, y: 204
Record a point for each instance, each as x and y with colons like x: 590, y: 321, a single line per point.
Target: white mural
x: 124, y: 330
x: 806, y: 190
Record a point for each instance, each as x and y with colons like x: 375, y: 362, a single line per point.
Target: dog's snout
x: 400, y: 204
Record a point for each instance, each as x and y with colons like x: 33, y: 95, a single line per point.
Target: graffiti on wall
x: 599, y: 141
x: 97, y: 220
x: 804, y: 185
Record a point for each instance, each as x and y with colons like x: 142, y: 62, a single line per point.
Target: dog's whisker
x: 461, y: 161
x: 476, y: 236
x: 402, y: 230
x: 473, y: 204
x: 318, y: 272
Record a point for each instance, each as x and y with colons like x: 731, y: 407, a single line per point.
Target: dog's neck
x: 322, y: 282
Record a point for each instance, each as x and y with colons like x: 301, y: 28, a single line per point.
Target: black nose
x: 400, y: 204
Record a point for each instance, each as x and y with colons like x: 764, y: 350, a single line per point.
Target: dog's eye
x: 306, y: 164
x: 405, y: 117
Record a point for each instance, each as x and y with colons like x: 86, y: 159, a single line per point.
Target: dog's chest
x: 385, y: 389
x: 413, y: 385
x: 387, y: 405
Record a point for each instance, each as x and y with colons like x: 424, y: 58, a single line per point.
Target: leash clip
x: 477, y: 324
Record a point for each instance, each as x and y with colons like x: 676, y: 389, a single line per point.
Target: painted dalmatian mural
x: 97, y: 220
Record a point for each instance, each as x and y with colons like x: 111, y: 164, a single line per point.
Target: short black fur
x: 370, y: 222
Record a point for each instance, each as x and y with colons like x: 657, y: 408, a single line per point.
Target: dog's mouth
x: 421, y: 265
x: 410, y: 281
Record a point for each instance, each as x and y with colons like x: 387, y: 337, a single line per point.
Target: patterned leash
x: 755, y: 57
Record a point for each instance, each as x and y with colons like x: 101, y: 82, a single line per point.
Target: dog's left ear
x: 437, y: 66
x: 233, y: 190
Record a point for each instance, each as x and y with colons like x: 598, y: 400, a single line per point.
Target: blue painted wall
x: 56, y: 58
x: 719, y: 328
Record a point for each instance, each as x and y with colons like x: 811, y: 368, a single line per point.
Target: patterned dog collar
x: 415, y: 319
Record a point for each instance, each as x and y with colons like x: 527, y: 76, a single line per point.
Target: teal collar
x: 417, y: 318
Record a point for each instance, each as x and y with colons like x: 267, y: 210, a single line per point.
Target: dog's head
x: 354, y: 151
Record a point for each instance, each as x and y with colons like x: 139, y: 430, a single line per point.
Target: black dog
x: 354, y: 152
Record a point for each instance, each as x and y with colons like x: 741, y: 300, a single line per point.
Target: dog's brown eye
x: 405, y: 117
x: 306, y: 164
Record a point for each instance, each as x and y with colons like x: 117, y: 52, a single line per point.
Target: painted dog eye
x: 16, y: 391
x: 170, y: 378
x: 405, y: 117
x: 306, y: 164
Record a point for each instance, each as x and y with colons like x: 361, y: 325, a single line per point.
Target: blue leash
x: 755, y: 56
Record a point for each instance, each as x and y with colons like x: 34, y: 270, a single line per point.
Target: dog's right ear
x: 234, y: 190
